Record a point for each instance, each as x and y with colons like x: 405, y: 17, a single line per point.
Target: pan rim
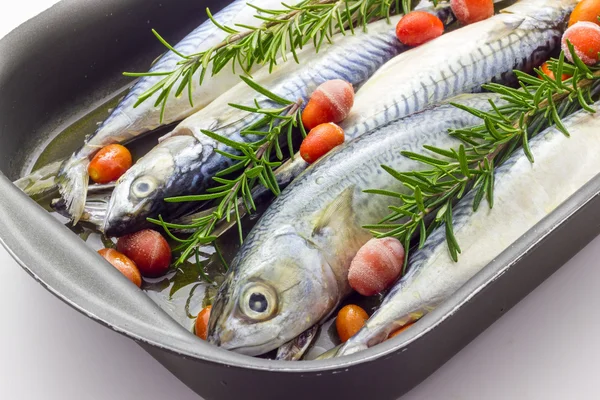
x: 499, y: 266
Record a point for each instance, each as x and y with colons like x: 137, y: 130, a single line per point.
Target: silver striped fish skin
x: 289, y: 80
x: 296, y: 259
x: 524, y: 193
x: 416, y: 85
x: 125, y: 122
x: 520, y: 37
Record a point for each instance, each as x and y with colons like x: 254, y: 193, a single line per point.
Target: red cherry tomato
x: 110, y: 163
x: 585, y: 38
x: 396, y: 333
x: 586, y: 10
x: 320, y: 140
x: 330, y: 102
x: 376, y: 266
x: 418, y: 27
x: 349, y: 321
x: 470, y: 11
x: 124, y: 264
x: 202, y: 323
x: 149, y: 250
x: 547, y: 71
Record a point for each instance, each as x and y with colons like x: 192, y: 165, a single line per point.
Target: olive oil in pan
x: 64, y: 142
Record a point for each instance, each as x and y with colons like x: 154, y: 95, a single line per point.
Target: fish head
x: 268, y: 296
x: 139, y: 193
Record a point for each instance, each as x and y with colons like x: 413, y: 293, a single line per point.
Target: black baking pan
x: 58, y: 66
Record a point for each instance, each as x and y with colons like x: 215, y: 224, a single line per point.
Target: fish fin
x: 295, y: 348
x: 329, y: 353
x: 166, y: 136
x: 337, y: 214
x: 73, y: 182
x: 347, y: 349
x: 338, y: 221
x: 176, y: 132
x: 509, y: 26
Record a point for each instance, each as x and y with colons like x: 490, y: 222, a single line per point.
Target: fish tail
x: 72, y: 183
x: 40, y: 181
x: 362, y: 340
x: 350, y: 348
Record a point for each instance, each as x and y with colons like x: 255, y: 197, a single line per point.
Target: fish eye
x: 143, y: 187
x: 258, y: 302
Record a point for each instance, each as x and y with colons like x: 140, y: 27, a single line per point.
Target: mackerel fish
x: 524, y: 193
x: 291, y: 272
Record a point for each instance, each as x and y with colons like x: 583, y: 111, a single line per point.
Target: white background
x: 547, y: 347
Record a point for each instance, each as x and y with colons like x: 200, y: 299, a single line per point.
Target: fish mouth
x: 253, y: 350
x: 120, y: 226
x: 249, y: 350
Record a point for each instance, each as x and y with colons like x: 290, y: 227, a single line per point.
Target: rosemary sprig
x: 283, y: 31
x: 537, y: 103
x: 254, y: 163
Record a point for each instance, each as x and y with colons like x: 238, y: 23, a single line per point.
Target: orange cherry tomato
x: 470, y: 11
x: 202, y: 323
x: 585, y: 38
x: 110, y: 163
x: 376, y: 266
x: 349, y: 321
x: 320, y: 140
x: 397, y: 332
x: 149, y: 250
x: 586, y: 10
x: 330, y: 102
x: 547, y: 71
x: 124, y: 264
x: 418, y: 27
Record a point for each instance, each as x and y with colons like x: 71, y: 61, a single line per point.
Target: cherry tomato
x: 418, y: 27
x: 585, y: 38
x: 202, y: 323
x: 586, y: 10
x: 470, y: 11
x: 320, y: 140
x: 396, y: 333
x: 124, y: 264
x: 349, y: 321
x: 110, y: 163
x: 376, y: 266
x: 547, y: 71
x: 330, y: 102
x: 149, y: 250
